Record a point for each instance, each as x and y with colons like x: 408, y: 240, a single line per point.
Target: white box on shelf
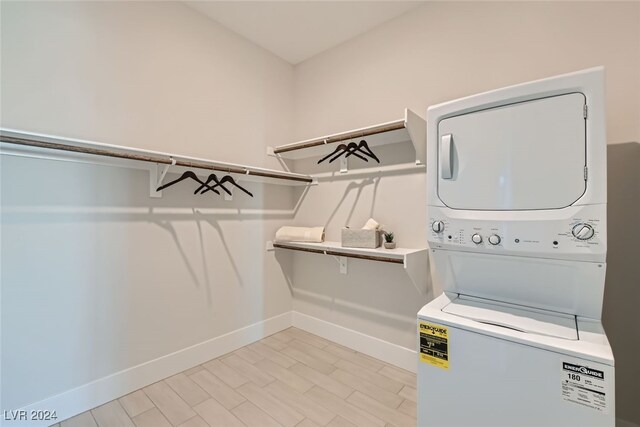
x: 357, y: 238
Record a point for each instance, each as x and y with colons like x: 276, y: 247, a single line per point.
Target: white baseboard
x: 624, y: 423
x: 96, y: 393
x: 393, y: 354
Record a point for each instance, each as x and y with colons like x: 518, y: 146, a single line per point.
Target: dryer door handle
x: 446, y: 148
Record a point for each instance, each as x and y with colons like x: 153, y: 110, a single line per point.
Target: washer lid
x: 526, y: 320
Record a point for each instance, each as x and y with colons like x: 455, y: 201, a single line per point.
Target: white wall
x: 446, y: 50
x: 439, y: 52
x: 96, y: 276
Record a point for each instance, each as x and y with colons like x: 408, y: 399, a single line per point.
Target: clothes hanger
x: 341, y: 147
x: 187, y: 174
x: 213, y: 178
x: 230, y: 180
x: 364, y: 147
x: 351, y: 150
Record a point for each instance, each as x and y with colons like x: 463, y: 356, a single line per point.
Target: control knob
x: 583, y: 231
x: 437, y: 226
x: 476, y: 238
x: 494, y: 239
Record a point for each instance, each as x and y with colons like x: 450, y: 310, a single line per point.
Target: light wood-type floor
x: 292, y: 378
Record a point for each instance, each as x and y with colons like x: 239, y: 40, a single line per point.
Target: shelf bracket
x: 155, y: 181
x: 344, y: 165
x: 342, y: 261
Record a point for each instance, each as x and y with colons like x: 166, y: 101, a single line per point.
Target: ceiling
x: 298, y: 30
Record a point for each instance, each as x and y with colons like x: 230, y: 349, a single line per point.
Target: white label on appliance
x: 585, y: 386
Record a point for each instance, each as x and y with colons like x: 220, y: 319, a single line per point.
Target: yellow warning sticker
x: 434, y: 344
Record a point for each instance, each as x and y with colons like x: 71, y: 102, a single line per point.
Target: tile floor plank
x: 408, y: 393
x: 344, y: 408
x: 338, y: 421
x: 253, y: 416
x: 248, y: 354
x: 283, y: 336
x: 380, y: 411
x: 275, y: 343
x: 381, y: 381
x: 307, y: 423
x: 355, y: 357
x: 277, y: 409
x: 111, y: 414
x: 307, y: 337
x: 287, y: 376
x: 253, y: 374
x: 276, y: 356
x: 188, y: 390
x: 301, y: 403
x: 224, y: 394
x: 392, y: 400
x: 313, y: 351
x: 322, y: 380
x: 214, y: 414
x: 338, y: 350
x: 193, y: 370
x: 397, y: 374
x: 136, y: 403
x: 311, y: 361
x: 230, y: 376
x: 151, y: 418
x: 84, y: 419
x: 196, y: 421
x: 169, y: 403
x: 408, y: 407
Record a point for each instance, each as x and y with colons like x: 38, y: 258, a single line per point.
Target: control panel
x: 577, y: 236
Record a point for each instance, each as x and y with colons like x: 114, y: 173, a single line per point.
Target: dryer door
x: 523, y: 156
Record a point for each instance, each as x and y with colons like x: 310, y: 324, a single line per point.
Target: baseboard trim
x: 96, y: 393
x: 393, y: 354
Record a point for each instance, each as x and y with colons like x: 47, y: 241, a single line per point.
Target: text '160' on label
x: 434, y: 344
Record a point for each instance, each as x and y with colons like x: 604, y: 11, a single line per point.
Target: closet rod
x: 147, y: 158
x: 387, y: 127
x: 337, y: 253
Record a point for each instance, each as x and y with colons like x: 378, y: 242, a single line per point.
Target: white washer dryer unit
x: 517, y: 214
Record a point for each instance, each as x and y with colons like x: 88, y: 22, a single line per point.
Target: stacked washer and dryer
x: 516, y: 193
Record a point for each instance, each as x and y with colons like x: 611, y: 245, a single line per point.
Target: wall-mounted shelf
x: 34, y: 145
x: 412, y: 128
x: 414, y: 261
